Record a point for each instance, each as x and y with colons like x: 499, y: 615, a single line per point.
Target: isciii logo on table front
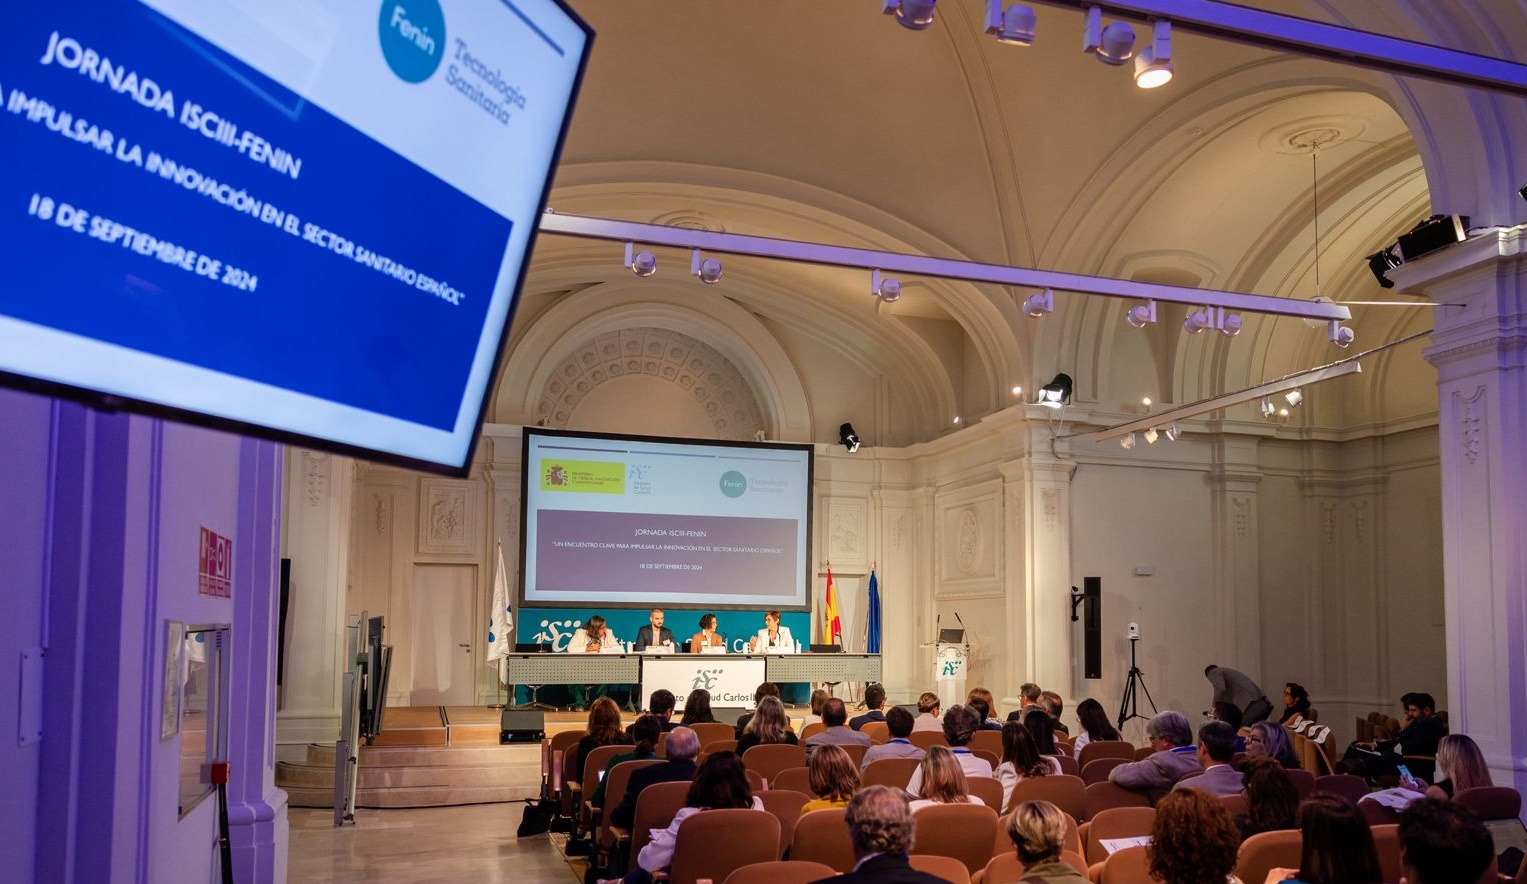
x: 705, y: 679
x: 557, y: 633
x: 412, y: 33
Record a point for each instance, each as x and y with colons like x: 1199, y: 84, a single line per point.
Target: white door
x: 444, y: 635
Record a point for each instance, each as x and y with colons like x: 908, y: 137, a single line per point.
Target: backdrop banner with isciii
x: 555, y: 626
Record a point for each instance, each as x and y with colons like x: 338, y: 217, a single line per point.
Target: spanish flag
x: 832, y: 627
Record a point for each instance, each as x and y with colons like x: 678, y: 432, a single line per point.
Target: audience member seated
x: 1021, y: 760
x: 1236, y: 687
x: 1338, y: 845
x: 720, y: 783
x: 1054, y: 705
x: 1173, y: 758
x: 1042, y: 727
x: 880, y: 829
x: 1038, y: 832
x: 818, y: 700
x: 1443, y: 843
x: 604, y: 729
x: 941, y: 781
x: 1296, y: 704
x: 1193, y: 840
x: 767, y: 689
x: 1268, y: 740
x: 768, y: 725
x: 835, y: 716
x: 1095, y: 725
x: 697, y: 708
x: 644, y: 733
x: 960, y: 724
x: 874, y: 698
x: 1216, y: 748
x: 1028, y: 697
x: 1271, y: 799
x: 1422, y: 732
x: 1231, y: 715
x: 1460, y: 765
x: 898, y: 723
x: 661, y: 704
x: 833, y: 778
x: 985, y: 708
x: 678, y: 766
x: 929, y: 713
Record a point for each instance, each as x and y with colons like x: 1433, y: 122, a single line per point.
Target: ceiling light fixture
x: 886, y: 288
x: 1057, y: 392
x: 1266, y: 406
x: 1127, y: 442
x: 1382, y: 261
x: 1141, y: 315
x: 1153, y: 66
x: 1151, y: 436
x: 1172, y: 432
x: 1113, y: 45
x: 1294, y: 396
x: 1013, y: 25
x: 708, y: 269
x: 1228, y: 324
x: 913, y: 14
x: 642, y: 263
x: 1341, y: 335
x: 1040, y: 304
x: 1196, y: 321
x: 1017, y: 391
x: 1145, y: 402
x: 848, y: 438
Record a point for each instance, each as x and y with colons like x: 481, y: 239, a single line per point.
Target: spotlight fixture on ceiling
x: 1145, y: 402
x: 1172, y: 432
x: 642, y: 263
x: 1522, y: 191
x: 886, y: 288
x: 1040, y: 304
x: 1013, y: 25
x: 1153, y: 66
x: 1127, y: 442
x: 1057, y: 393
x: 1141, y: 315
x: 1151, y: 436
x: 1294, y: 396
x: 1266, y: 406
x: 913, y: 14
x: 1017, y: 391
x: 1228, y: 324
x: 708, y: 269
x: 1113, y: 45
x: 848, y: 438
x: 1381, y: 261
x: 1196, y: 321
x: 1341, y: 335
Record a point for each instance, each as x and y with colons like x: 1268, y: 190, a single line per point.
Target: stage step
x: 412, y: 796
x: 417, y: 776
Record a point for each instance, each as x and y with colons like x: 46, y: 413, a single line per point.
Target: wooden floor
x: 434, y: 845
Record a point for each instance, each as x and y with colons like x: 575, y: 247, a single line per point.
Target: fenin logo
x: 413, y: 38
x: 733, y: 483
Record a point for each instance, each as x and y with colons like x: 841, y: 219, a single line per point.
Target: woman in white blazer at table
x: 771, y: 636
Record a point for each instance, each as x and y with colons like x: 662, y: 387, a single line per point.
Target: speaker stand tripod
x: 1133, y: 686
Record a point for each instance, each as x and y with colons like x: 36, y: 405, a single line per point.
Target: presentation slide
x: 303, y: 216
x: 637, y: 522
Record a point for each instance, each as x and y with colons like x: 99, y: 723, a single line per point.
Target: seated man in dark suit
x: 880, y: 828
x: 837, y: 733
x: 1216, y: 749
x: 1422, y: 732
x: 661, y: 704
x: 654, y: 633
x: 874, y: 698
x: 682, y: 747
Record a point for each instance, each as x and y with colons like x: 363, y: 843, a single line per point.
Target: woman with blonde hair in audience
x: 1021, y: 760
x: 697, y: 708
x: 1337, y: 845
x: 1038, y: 833
x: 1271, y: 740
x: 1460, y: 765
x: 943, y: 781
x: 1193, y: 840
x: 833, y: 776
x: 819, y: 699
x: 769, y: 724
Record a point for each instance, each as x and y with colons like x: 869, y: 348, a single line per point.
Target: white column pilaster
x: 1037, y: 534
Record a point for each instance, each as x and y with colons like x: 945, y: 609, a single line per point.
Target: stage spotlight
x: 642, y: 263
x: 1153, y: 66
x: 848, y: 438
x: 1522, y: 192
x: 1017, y: 391
x: 1127, y: 442
x: 1172, y: 432
x: 886, y: 288
x: 1151, y: 436
x: 1342, y: 336
x: 1145, y: 402
x: 708, y: 269
x: 1266, y: 406
x: 1013, y: 25
x: 1383, y: 260
x: 1113, y: 45
x: 1294, y: 396
x: 1196, y: 321
x: 1230, y: 325
x: 1040, y: 304
x: 1141, y: 315
x: 913, y: 14
x: 1056, y: 393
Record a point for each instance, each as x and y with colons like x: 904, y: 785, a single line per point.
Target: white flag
x: 501, y: 620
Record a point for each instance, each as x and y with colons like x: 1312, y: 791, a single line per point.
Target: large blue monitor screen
x: 305, y: 219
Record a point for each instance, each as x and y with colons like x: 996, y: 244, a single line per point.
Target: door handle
x: 468, y: 647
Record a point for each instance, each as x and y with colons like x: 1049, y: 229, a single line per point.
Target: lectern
x: 952, y: 659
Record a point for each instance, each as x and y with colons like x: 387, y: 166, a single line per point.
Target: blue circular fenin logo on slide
x: 413, y: 38
x: 733, y: 483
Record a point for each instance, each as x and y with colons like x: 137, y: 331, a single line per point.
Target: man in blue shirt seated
x: 899, y: 723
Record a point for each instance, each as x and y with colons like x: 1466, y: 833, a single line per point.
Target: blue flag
x: 872, y: 620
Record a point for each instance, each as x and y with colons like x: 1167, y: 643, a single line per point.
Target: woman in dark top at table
x: 697, y: 708
x: 768, y: 725
x: 1296, y: 703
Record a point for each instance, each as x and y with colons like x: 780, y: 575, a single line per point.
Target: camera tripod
x: 1133, y: 684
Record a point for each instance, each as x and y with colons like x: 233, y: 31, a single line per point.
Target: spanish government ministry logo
x: 413, y: 38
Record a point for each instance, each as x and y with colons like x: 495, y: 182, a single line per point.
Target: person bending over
x: 1236, y: 687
